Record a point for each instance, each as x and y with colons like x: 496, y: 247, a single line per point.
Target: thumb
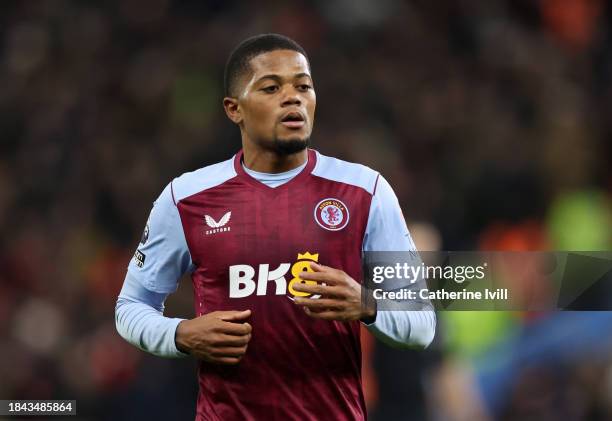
x: 230, y: 316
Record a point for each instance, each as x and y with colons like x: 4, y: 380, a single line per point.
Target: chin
x: 291, y: 145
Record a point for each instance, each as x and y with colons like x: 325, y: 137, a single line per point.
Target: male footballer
x: 273, y: 239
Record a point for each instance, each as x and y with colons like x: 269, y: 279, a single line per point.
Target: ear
x: 232, y: 109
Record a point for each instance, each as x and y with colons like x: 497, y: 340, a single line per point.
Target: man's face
x: 276, y: 101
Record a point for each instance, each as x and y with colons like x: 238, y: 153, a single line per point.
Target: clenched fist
x: 220, y: 337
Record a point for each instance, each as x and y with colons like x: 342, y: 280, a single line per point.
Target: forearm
x: 146, y: 328
x: 140, y: 321
x: 404, y: 328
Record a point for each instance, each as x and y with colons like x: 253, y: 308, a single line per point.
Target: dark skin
x: 279, y: 85
x: 340, y: 295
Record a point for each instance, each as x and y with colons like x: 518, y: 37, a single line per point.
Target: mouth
x: 293, y: 120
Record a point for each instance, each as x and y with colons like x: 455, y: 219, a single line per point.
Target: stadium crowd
x: 491, y: 119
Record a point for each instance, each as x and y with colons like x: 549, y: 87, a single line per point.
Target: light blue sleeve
x: 161, y: 258
x: 387, y: 231
x: 139, y: 320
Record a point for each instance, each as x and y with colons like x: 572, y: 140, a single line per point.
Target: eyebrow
x: 277, y: 78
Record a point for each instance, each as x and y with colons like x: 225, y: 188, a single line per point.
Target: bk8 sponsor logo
x: 245, y: 280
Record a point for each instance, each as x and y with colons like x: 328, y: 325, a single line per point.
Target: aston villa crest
x: 331, y: 214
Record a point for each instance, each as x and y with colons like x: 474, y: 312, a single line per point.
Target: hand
x: 340, y: 297
x: 220, y: 337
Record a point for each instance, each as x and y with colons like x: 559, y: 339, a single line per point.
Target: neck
x: 267, y: 161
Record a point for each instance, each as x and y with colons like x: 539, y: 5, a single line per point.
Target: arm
x: 216, y: 337
x: 161, y: 259
x: 341, y: 295
x: 387, y: 231
x: 139, y: 320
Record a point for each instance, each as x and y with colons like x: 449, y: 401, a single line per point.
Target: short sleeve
x: 162, y: 256
x: 386, y: 229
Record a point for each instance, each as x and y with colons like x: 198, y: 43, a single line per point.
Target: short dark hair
x: 238, y: 63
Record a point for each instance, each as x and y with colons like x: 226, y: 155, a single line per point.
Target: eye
x: 304, y: 88
x: 270, y: 89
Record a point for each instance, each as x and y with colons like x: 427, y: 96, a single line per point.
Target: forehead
x: 279, y: 62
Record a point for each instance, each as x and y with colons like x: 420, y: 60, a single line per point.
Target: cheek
x: 260, y: 117
x: 253, y: 121
x: 312, y: 105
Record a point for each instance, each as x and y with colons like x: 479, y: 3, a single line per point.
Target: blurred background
x: 490, y: 118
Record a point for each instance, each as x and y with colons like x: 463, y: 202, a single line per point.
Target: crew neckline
x: 273, y: 176
x: 245, y: 176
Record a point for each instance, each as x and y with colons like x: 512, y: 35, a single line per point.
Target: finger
x: 324, y: 315
x: 227, y: 360
x: 230, y: 316
x: 319, y: 303
x: 310, y: 311
x: 325, y: 290
x: 232, y: 340
x: 317, y: 267
x: 229, y: 352
x: 236, y: 329
x: 316, y: 310
x: 327, y: 277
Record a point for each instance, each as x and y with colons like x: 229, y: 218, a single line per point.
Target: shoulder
x: 341, y: 171
x: 205, y: 178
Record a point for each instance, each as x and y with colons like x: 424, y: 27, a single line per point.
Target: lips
x: 293, y: 120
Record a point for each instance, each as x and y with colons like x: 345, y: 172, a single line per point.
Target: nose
x: 291, y: 97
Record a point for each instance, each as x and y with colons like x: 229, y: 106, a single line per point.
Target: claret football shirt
x: 244, y: 243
